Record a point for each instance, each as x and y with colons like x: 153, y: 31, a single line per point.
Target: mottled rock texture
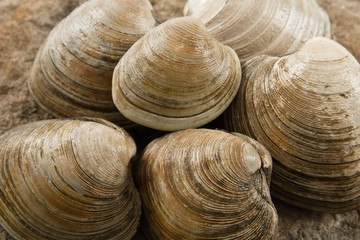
x: 24, y: 24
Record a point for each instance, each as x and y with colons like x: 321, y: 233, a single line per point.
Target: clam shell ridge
x: 72, y: 72
x: 206, y: 184
x: 177, y: 76
x: 53, y: 187
x: 304, y: 108
x: 252, y: 28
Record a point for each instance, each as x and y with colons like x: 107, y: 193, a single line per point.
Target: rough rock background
x: 24, y: 24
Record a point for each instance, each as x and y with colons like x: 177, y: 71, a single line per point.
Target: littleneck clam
x: 206, y: 184
x: 53, y: 187
x: 177, y: 76
x: 304, y: 108
x: 72, y: 72
x: 251, y: 28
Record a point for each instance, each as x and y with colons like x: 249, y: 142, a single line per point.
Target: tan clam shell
x: 177, y: 76
x: 256, y: 27
x: 206, y: 184
x: 72, y: 72
x: 53, y: 187
x: 304, y: 108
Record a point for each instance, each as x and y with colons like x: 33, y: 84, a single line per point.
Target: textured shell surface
x: 177, y: 76
x: 53, y: 187
x: 206, y: 184
x: 72, y: 72
x: 252, y: 28
x: 304, y: 108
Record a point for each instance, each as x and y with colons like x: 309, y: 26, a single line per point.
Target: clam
x: 206, y: 184
x: 252, y: 28
x: 177, y: 76
x: 304, y: 108
x: 72, y: 72
x: 68, y: 179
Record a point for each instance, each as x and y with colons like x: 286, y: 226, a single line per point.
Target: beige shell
x: 206, y: 184
x: 256, y: 27
x: 68, y: 179
x: 72, y: 72
x: 304, y: 108
x: 177, y: 76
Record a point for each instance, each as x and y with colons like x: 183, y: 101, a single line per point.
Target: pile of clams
x: 268, y: 67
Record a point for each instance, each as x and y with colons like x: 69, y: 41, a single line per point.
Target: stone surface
x: 24, y: 24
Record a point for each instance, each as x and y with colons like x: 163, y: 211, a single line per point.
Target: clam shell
x: 252, y: 28
x: 53, y: 187
x: 177, y: 76
x: 206, y: 184
x: 72, y: 72
x: 304, y: 108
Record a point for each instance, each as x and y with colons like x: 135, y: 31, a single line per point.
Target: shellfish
x: 252, y: 28
x: 206, y: 184
x: 177, y: 76
x: 72, y: 72
x: 53, y: 187
x: 304, y: 108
